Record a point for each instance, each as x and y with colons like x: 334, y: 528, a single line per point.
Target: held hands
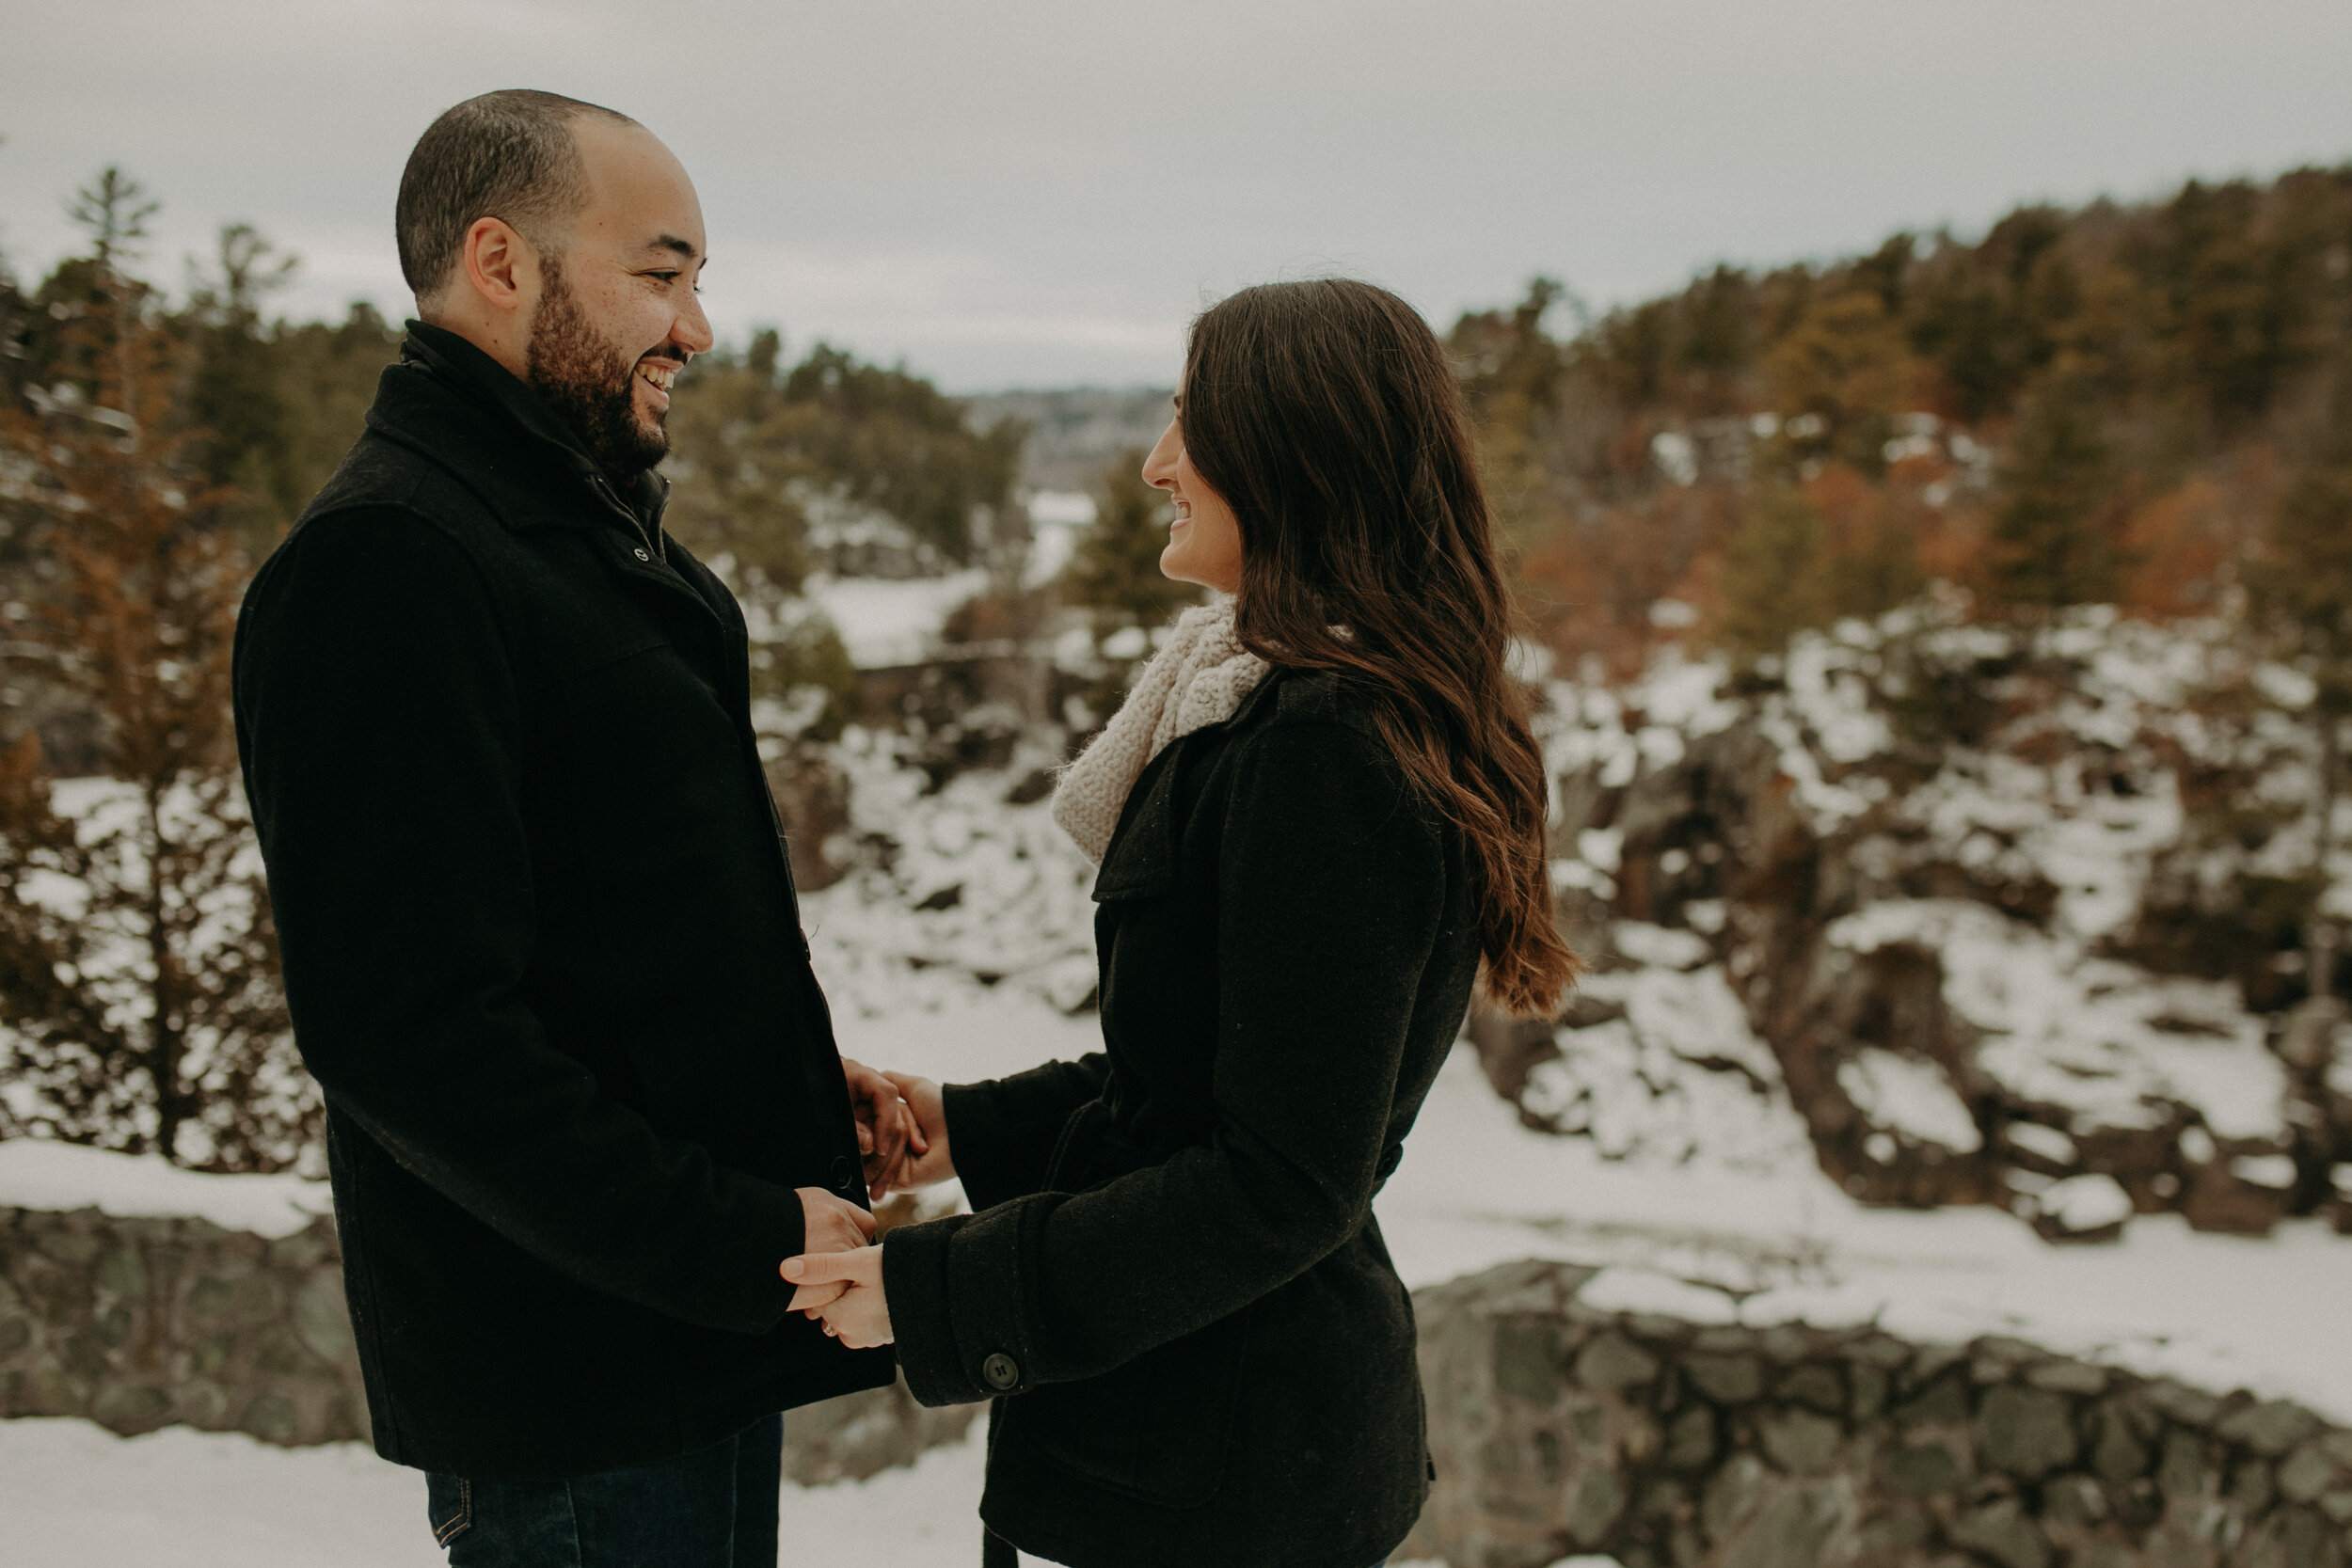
x: 887, y: 1128
x: 902, y: 1134
x: 923, y: 1157
x: 828, y: 1226
x: 857, y: 1314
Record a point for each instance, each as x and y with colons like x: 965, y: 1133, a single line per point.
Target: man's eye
x: 665, y: 276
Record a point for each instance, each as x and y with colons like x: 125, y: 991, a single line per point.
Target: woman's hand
x: 927, y: 1159
x: 860, y: 1316
x: 829, y: 1224
x: 886, y: 1127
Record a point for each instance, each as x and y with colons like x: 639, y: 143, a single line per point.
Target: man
x: 541, y: 943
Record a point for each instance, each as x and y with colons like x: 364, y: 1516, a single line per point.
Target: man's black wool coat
x: 1176, y: 1289
x: 540, y: 942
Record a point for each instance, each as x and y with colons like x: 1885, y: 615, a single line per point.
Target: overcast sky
x: 1042, y: 193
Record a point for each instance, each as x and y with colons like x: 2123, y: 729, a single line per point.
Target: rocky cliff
x: 2005, y: 915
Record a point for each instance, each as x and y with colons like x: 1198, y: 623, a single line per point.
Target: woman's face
x: 1205, y: 546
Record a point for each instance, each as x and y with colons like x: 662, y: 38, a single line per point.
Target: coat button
x: 644, y: 555
x: 844, y: 1172
x: 1001, y: 1371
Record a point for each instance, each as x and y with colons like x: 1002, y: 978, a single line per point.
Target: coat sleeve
x: 1331, y: 892
x: 1003, y: 1132
x: 381, y: 730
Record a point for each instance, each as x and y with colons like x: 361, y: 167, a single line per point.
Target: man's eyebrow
x: 671, y: 242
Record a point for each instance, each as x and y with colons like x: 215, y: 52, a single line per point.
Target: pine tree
x: 114, y: 210
x: 236, y: 394
x: 1840, y: 373
x: 734, y: 459
x: 1773, y: 580
x: 326, y: 374
x: 2301, y: 595
x: 1114, y: 572
x: 2053, y: 539
x: 890, y: 440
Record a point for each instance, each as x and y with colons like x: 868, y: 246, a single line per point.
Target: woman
x: 1316, y: 814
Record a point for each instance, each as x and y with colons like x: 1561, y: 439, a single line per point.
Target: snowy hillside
x: 1989, y: 902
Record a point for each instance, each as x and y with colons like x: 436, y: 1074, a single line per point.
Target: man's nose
x: 693, y: 328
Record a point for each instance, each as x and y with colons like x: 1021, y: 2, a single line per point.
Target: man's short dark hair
x: 507, y: 155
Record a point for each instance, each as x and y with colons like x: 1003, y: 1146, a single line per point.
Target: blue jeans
x: 715, y: 1508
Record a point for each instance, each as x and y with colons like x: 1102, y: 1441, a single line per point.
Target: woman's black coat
x: 1174, y: 1287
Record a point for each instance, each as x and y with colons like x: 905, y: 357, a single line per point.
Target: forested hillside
x: 2100, y: 406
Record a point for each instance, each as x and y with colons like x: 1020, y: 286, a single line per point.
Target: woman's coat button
x: 1000, y: 1370
x: 643, y: 554
x: 844, y: 1169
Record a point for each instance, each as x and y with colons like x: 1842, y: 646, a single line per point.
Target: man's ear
x: 499, y: 265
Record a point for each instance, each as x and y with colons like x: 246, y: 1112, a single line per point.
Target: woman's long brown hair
x: 1326, y: 417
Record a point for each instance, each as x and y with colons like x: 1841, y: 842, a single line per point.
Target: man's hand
x: 859, y: 1317
x: 884, y: 1125
x: 926, y: 1159
x: 829, y: 1225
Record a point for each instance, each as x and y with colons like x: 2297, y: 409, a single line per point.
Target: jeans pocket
x: 449, y: 1506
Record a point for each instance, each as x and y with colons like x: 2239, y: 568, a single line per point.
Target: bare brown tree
x: 140, y: 1002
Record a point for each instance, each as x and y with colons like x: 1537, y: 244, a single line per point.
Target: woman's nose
x: 1159, y: 464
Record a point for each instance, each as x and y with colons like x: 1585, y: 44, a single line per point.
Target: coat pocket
x: 1159, y: 1428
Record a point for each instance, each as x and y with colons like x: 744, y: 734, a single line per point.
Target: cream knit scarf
x: 1197, y: 678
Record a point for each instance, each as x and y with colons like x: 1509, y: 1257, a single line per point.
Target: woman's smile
x: 1204, y: 538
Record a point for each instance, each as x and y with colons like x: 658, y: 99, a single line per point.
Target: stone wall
x: 138, y: 1323
x: 1558, y: 1428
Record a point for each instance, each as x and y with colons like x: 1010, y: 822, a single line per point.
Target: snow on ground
x: 37, y: 1173
x: 1056, y: 517
x: 886, y: 622
x: 1709, y: 1240
x: 75, y: 1496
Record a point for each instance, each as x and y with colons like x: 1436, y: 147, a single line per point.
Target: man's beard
x: 589, y: 383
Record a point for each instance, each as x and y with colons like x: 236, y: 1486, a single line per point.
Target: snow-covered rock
x: 954, y: 890
x: 2007, y: 907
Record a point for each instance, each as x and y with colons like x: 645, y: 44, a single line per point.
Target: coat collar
x: 1141, y: 860
x: 457, y: 406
